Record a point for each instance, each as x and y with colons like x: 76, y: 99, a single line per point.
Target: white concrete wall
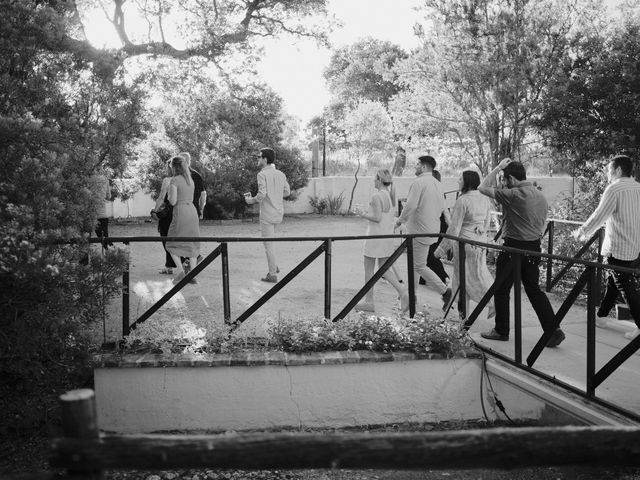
x: 137, y: 400
x: 554, y: 188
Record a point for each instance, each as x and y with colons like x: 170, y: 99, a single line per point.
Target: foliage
x: 60, y: 124
x: 576, y: 208
x: 422, y: 335
x: 360, y: 72
x: 330, y: 204
x: 368, y: 129
x: 591, y: 107
x: 363, y: 71
x: 223, y: 132
x: 480, y: 72
x: 185, y: 29
x: 48, y: 299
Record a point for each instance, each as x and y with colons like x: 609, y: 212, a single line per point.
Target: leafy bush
x: 421, y: 335
x: 330, y: 204
x: 578, y: 208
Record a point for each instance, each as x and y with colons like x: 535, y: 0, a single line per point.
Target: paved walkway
x: 304, y: 297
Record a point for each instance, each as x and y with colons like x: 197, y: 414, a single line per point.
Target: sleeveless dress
x: 185, y: 221
x: 381, y: 247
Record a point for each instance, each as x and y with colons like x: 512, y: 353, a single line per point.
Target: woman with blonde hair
x: 185, y: 217
x: 380, y: 219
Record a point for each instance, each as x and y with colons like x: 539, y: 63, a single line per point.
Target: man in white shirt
x: 272, y: 188
x: 421, y: 213
x: 619, y: 210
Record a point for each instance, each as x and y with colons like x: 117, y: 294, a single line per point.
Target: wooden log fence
x: 86, y: 454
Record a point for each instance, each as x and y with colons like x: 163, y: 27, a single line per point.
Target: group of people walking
x: 179, y: 208
x: 181, y: 202
x: 524, y: 216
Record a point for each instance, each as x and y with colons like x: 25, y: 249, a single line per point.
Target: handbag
x: 164, y: 211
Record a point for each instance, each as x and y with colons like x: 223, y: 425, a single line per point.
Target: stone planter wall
x: 147, y: 393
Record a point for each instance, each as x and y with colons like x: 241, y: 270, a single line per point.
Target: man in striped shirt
x: 619, y: 209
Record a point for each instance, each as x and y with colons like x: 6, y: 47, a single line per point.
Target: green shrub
x: 330, y: 204
x: 318, y: 204
x: 422, y: 335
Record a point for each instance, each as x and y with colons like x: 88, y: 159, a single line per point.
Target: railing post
x: 327, y: 278
x: 411, y: 281
x: 125, y: 299
x: 592, y: 291
x: 462, y: 282
x: 551, y: 230
x: 226, y: 302
x: 517, y: 259
x: 79, y: 420
x: 600, y: 270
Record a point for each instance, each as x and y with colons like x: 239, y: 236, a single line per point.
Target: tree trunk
x: 355, y: 184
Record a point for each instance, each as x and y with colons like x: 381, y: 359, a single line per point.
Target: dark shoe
x: 421, y: 281
x: 446, y: 299
x: 556, y: 339
x: 194, y: 281
x: 270, y: 278
x: 493, y: 335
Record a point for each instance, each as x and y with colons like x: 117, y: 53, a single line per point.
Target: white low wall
x: 138, y: 400
x: 554, y: 188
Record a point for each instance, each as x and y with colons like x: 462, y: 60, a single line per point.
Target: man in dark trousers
x: 524, y: 211
x: 618, y: 210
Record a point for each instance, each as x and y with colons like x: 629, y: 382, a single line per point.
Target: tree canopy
x: 481, y: 70
x: 591, y: 107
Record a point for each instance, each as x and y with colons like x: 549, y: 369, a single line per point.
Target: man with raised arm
x: 425, y: 204
x: 524, y: 213
x: 619, y: 210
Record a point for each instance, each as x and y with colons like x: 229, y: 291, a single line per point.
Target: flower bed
x: 363, y: 370
x: 423, y: 336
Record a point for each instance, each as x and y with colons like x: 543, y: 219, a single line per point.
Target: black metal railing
x: 589, y: 279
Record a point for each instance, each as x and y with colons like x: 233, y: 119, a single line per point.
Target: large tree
x: 363, y: 71
x: 481, y: 71
x: 591, y: 108
x: 185, y: 28
x: 360, y: 72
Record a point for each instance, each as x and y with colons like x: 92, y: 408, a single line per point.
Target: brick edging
x: 114, y: 360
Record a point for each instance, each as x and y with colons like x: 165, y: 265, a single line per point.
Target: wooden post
x: 79, y: 421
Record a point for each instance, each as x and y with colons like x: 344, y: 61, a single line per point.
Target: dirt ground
x: 303, y: 297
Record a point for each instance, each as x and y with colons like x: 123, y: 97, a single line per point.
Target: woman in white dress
x: 380, y: 219
x: 185, y: 221
x: 470, y: 219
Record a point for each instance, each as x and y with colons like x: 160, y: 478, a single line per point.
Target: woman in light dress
x: 185, y: 221
x: 380, y: 219
x: 470, y: 219
x: 165, y: 222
